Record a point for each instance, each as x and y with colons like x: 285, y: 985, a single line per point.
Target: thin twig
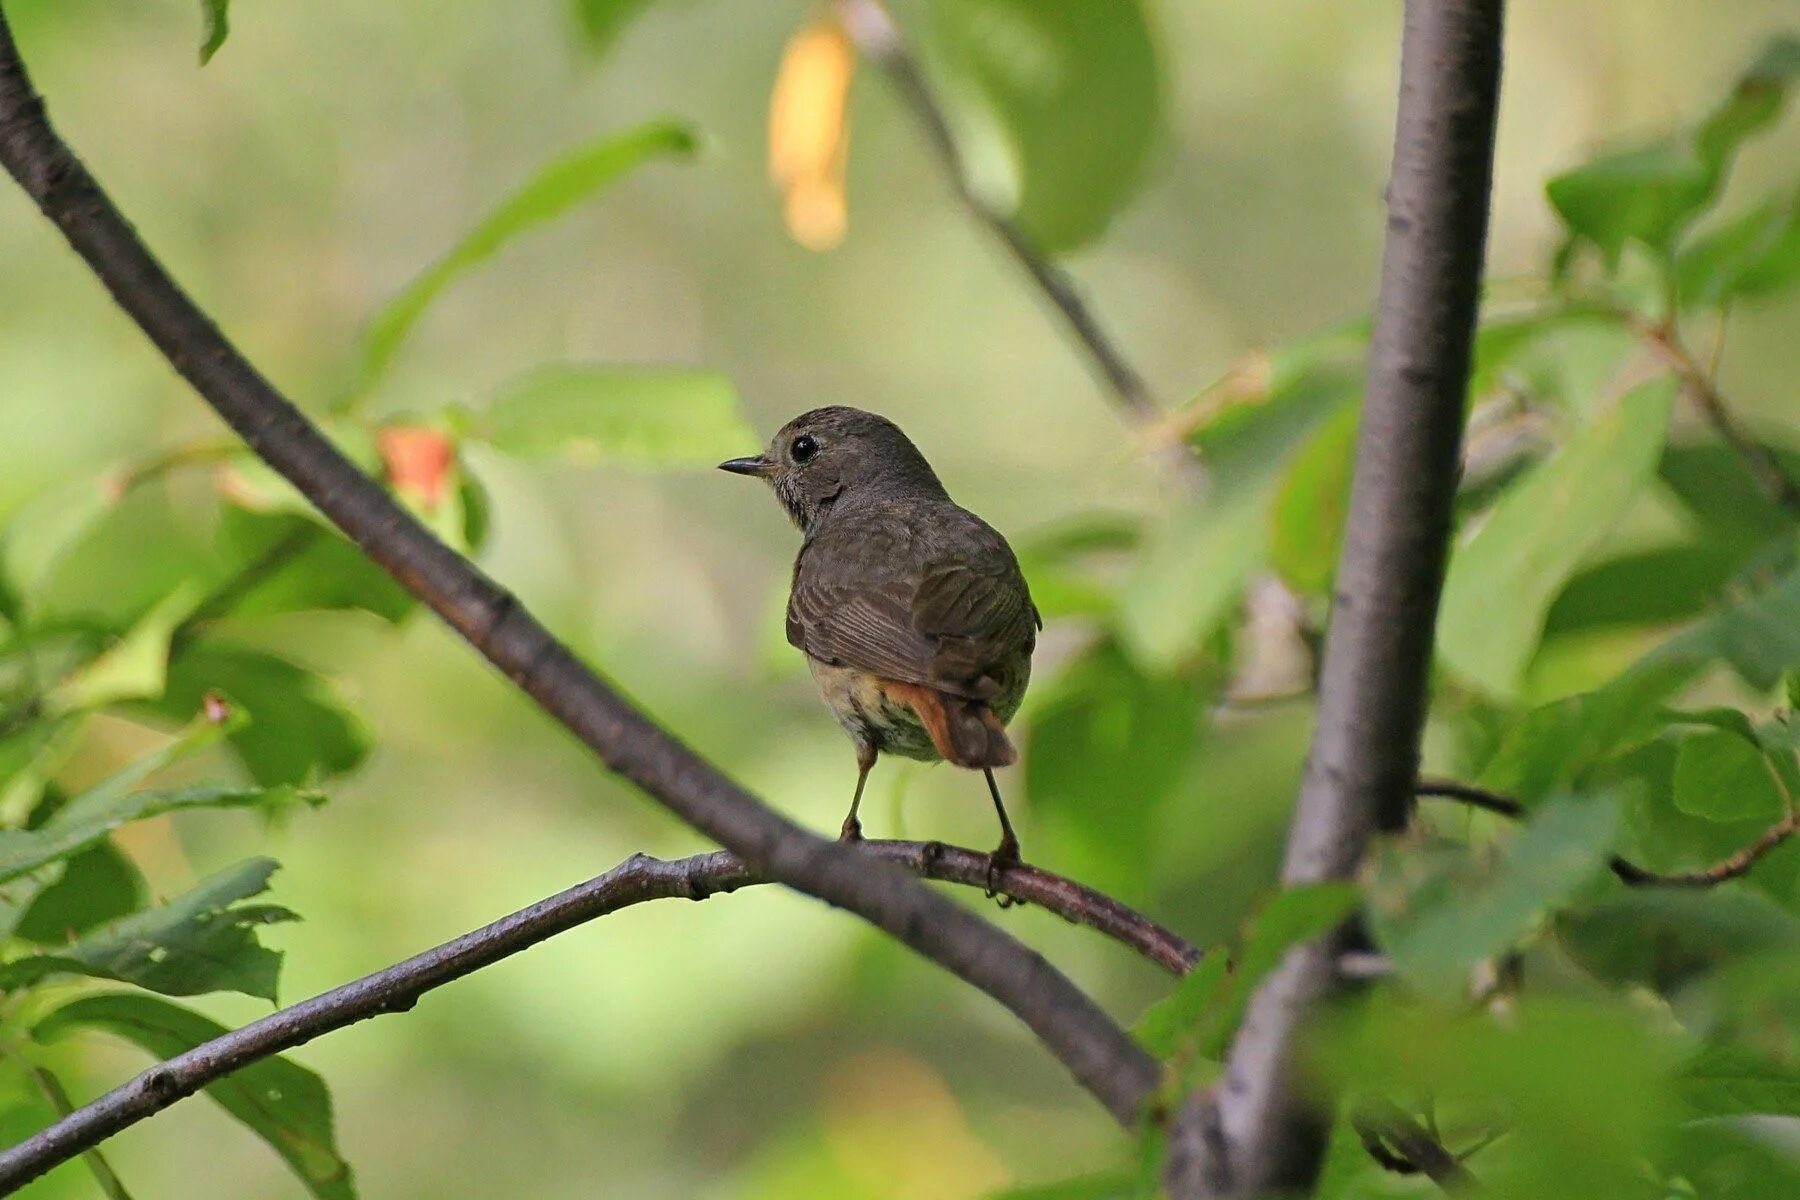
x: 1469, y: 794
x: 637, y: 879
x: 136, y: 474
x: 1764, y: 465
x: 1255, y: 1133
x: 1732, y: 866
x: 873, y: 32
x: 1404, y: 1146
x: 1096, y: 1051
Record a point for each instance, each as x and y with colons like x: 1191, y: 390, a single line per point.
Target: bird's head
x: 835, y: 455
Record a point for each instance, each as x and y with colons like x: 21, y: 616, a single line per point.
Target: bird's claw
x: 1003, y: 856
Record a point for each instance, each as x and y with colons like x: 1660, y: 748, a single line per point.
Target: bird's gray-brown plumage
x: 911, y: 611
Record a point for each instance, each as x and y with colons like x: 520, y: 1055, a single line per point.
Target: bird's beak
x: 758, y: 466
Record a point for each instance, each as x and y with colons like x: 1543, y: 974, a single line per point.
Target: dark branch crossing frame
x: 1100, y: 1055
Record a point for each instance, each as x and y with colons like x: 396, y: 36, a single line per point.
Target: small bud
x: 418, y: 462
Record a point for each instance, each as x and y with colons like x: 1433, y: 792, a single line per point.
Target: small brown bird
x: 911, y: 611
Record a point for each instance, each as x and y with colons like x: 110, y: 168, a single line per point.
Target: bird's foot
x: 1003, y: 856
x: 851, y: 830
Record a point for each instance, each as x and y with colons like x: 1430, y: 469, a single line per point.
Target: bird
x: 912, y: 612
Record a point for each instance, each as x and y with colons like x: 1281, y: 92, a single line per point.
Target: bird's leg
x: 852, y: 828
x: 1006, y: 854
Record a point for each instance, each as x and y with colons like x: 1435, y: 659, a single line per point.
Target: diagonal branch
x: 872, y: 30
x: 1099, y: 1054
x: 637, y: 879
x: 1254, y: 1133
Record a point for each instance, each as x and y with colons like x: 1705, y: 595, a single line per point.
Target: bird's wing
x: 901, y: 603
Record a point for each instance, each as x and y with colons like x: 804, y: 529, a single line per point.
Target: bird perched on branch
x: 911, y: 611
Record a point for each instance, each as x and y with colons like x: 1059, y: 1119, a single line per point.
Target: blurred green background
x: 759, y: 1045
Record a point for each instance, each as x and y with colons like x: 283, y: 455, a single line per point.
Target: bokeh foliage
x: 1619, y: 622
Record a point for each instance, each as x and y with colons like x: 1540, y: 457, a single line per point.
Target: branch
x: 1090, y: 1044
x: 876, y: 37
x: 1405, y: 1147
x: 1764, y: 467
x: 1253, y: 1134
x: 637, y: 879
x: 1468, y: 793
x: 1732, y: 866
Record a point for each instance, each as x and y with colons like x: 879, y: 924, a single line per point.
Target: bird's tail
x: 966, y: 732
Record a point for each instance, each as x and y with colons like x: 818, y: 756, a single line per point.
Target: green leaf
x: 1437, y: 928
x: 93, y: 814
x: 1557, y: 746
x: 98, y: 572
x: 96, y: 886
x: 285, y: 1104
x: 1581, y: 1089
x: 1663, y: 937
x: 653, y: 415
x: 1074, y: 86
x: 1190, y: 577
x: 299, y: 731
x: 1647, y: 195
x: 134, y: 667
x: 1725, y: 1080
x: 1744, y: 1157
x: 1103, y: 1185
x: 1757, y: 254
x: 1067, y: 564
x: 1651, y: 193
x: 1312, y: 502
x: 601, y: 21
x: 1712, y: 483
x: 1204, y: 1009
x: 1759, y: 637
x: 201, y: 941
x: 217, y: 14
x: 1169, y: 1022
x: 323, y: 571
x: 1722, y: 775
x: 552, y: 192
x: 1657, y: 587
x: 1538, y: 534
x: 1107, y: 729
x: 1197, y: 560
x: 29, y: 760
x: 1295, y: 915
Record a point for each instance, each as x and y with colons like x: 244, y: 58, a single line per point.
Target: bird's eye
x: 804, y: 448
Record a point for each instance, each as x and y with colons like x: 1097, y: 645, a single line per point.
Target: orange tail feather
x: 966, y: 732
